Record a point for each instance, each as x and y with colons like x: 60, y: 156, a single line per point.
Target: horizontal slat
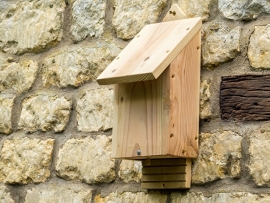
x: 163, y: 185
x: 163, y: 170
x: 164, y: 162
x: 163, y: 177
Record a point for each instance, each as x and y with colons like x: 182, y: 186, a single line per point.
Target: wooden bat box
x: 156, y: 99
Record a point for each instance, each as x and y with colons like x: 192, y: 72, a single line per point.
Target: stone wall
x: 56, y: 121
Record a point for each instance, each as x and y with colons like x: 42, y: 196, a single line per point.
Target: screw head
x: 139, y: 152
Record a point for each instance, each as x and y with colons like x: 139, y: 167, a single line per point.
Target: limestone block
x: 129, y: 197
x: 36, y: 25
x: 243, y: 9
x: 259, y: 165
x: 44, y: 112
x: 88, y: 160
x: 205, y: 109
x: 88, y: 18
x: 95, y: 109
x: 130, y: 170
x: 234, y: 197
x: 195, y: 8
x: 219, y: 157
x: 221, y: 44
x: 6, y: 105
x: 131, y: 16
x: 259, y: 47
x: 75, y: 66
x: 58, y: 194
x: 18, y: 76
x: 25, y: 160
x: 5, y: 195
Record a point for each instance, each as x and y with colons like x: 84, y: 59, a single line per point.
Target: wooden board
x: 156, y: 175
x: 160, y: 117
x: 245, y: 97
x: 175, y: 13
x: 150, y: 52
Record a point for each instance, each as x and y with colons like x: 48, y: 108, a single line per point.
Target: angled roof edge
x: 150, y: 51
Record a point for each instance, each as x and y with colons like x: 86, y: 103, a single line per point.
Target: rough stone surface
x: 243, y: 9
x: 59, y: 195
x: 75, y: 66
x: 18, y: 76
x: 54, y: 114
x: 195, y: 8
x: 128, y: 197
x: 131, y: 16
x: 6, y: 105
x: 5, y: 196
x: 205, y: 108
x: 221, y: 44
x: 130, y: 170
x: 25, y: 160
x: 259, y: 47
x: 259, y: 165
x: 234, y: 197
x: 88, y: 18
x: 219, y: 157
x: 95, y: 109
x: 36, y: 25
x: 87, y: 160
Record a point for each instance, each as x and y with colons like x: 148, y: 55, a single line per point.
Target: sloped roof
x: 150, y: 51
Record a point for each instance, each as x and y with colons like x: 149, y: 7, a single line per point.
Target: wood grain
x: 150, y: 52
x: 245, y: 97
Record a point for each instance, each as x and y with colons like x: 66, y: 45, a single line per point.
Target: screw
x: 139, y: 152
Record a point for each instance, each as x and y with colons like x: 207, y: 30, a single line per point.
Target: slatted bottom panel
x: 166, y: 173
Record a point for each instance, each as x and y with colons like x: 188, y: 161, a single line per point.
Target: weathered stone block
x: 18, y: 76
x: 234, y: 197
x: 243, y: 9
x: 53, y: 115
x: 259, y: 160
x: 95, y: 109
x: 75, y: 66
x: 130, y: 170
x: 25, y: 160
x: 36, y: 25
x: 6, y: 105
x: 219, y: 157
x: 195, y: 8
x: 5, y: 196
x: 259, y: 47
x: 205, y: 108
x: 58, y: 194
x: 129, y: 197
x: 221, y: 44
x: 131, y: 16
x: 88, y: 18
x: 88, y: 160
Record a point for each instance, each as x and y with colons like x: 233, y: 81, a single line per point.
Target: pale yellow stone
x: 234, y: 197
x: 205, y: 108
x: 130, y: 170
x: 5, y: 196
x: 75, y: 66
x: 195, y: 8
x: 25, y: 160
x: 219, y: 157
x: 88, y: 160
x: 44, y: 112
x: 6, y: 105
x: 131, y: 16
x: 259, y: 164
x: 95, y: 109
x: 31, y: 26
x: 18, y: 76
x: 259, y: 47
x: 60, y: 194
x: 129, y: 197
